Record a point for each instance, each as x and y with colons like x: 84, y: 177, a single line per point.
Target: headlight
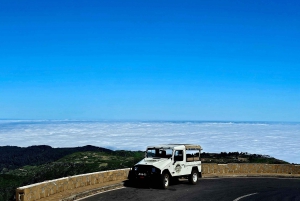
x: 135, y: 168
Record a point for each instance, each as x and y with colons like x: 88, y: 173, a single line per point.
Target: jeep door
x: 178, y: 165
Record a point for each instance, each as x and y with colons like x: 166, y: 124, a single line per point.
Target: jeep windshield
x: 159, y: 153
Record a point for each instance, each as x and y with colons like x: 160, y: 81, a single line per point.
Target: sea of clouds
x: 279, y: 140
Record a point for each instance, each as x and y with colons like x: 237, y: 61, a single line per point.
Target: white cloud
x: 277, y: 140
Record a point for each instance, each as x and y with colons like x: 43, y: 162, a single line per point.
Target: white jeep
x: 165, y: 162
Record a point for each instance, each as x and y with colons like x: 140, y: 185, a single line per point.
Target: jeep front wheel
x: 193, y: 177
x: 165, y: 180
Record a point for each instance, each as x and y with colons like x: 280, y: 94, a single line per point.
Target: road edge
x: 121, y: 184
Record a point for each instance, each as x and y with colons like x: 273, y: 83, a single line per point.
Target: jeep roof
x: 178, y: 146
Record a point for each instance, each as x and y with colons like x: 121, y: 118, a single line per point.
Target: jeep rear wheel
x: 165, y: 180
x: 193, y: 177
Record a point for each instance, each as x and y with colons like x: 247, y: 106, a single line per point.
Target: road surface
x: 210, y: 189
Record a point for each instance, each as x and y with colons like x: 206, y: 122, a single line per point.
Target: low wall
x: 49, y: 188
x: 249, y: 168
x: 77, y: 183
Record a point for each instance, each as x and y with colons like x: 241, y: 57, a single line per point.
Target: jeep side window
x: 178, y: 156
x: 192, y: 155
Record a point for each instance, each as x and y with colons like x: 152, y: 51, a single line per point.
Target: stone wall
x: 76, y: 183
x: 249, y: 168
x: 49, y: 188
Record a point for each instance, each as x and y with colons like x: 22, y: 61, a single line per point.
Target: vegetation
x: 236, y: 157
x: 23, y: 166
x: 47, y: 163
x: 12, y: 157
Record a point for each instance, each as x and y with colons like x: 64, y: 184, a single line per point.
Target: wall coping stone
x: 70, y: 177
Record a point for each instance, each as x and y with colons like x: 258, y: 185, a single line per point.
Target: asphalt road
x: 208, y: 189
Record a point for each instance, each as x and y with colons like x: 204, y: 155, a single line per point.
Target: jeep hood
x: 156, y: 162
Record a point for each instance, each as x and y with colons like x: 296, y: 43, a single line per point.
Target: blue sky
x: 150, y: 60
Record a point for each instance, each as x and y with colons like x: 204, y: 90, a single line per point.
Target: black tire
x: 131, y: 175
x: 165, y: 180
x: 193, y: 177
x: 132, y: 180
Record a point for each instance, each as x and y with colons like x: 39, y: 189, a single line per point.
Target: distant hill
x: 23, y: 166
x: 239, y: 157
x: 13, y: 157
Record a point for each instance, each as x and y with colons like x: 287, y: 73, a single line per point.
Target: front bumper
x: 144, y: 172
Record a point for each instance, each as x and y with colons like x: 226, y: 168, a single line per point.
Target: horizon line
x: 143, y: 120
